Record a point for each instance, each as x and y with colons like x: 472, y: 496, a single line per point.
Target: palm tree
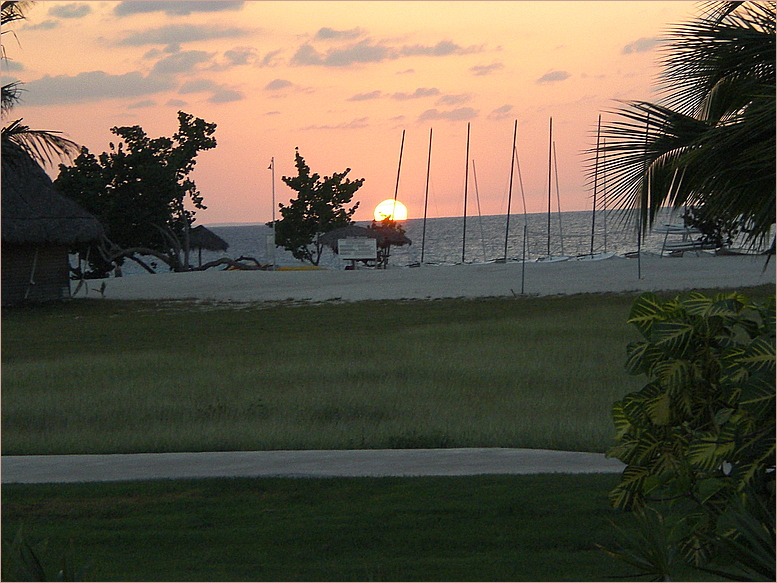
x: 40, y: 145
x: 711, y: 142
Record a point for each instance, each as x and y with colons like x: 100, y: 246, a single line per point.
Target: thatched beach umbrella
x: 200, y: 237
x: 39, y: 226
x: 350, y: 232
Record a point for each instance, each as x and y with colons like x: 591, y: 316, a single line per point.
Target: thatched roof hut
x: 200, y: 237
x: 39, y: 226
x: 349, y: 232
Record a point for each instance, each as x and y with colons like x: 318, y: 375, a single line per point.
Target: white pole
x: 272, y: 167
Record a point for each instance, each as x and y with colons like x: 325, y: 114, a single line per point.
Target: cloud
x: 45, y: 25
x: 92, y: 86
x: 501, y: 112
x: 418, y: 93
x: 180, y: 33
x: 366, y: 96
x: 460, y: 114
x: 441, y: 49
x: 240, y: 55
x: 277, y: 84
x: 406, y: 72
x: 453, y: 99
x: 183, y: 62
x: 486, y: 69
x: 327, y: 33
x: 356, y: 124
x: 9, y: 65
x: 361, y: 52
x: 270, y: 59
x: 70, y: 10
x: 368, y: 52
x: 272, y: 113
x: 174, y: 8
x: 197, y: 86
x: 641, y: 45
x: 225, y: 95
x: 142, y: 104
x: 176, y: 103
x: 553, y: 77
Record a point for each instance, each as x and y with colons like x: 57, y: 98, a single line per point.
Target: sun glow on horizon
x: 392, y: 209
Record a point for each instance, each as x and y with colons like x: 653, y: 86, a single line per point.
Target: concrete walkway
x: 301, y: 464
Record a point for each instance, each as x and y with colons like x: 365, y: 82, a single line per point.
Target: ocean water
x: 445, y: 242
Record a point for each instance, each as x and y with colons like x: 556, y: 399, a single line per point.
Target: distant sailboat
x: 466, y: 183
x: 551, y: 150
x: 597, y: 256
x: 426, y: 195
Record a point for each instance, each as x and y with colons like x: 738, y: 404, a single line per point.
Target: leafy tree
x: 138, y: 190
x: 714, y: 230
x: 391, y: 233
x: 40, y: 145
x: 699, y: 438
x: 711, y: 142
x: 320, y: 207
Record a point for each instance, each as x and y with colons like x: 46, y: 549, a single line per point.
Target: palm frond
x: 41, y: 145
x: 12, y: 11
x: 732, y: 45
x: 11, y: 94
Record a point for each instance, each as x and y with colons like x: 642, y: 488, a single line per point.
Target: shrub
x: 699, y: 438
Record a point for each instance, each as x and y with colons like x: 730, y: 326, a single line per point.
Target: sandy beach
x: 617, y: 274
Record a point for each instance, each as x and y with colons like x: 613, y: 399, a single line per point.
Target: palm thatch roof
x: 33, y: 211
x: 385, y: 236
x: 349, y: 232
x: 201, y: 237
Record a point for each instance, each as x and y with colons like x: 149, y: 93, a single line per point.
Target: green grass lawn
x: 108, y: 377
x: 93, y: 376
x: 483, y: 528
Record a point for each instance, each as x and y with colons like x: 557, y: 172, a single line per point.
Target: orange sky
x: 342, y: 80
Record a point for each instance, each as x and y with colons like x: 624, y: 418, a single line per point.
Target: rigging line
x: 399, y: 168
x: 480, y: 216
x: 510, y: 189
x: 426, y: 195
x: 596, y: 177
x: 558, y: 198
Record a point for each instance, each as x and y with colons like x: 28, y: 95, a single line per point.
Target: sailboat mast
x: 274, y: 244
x: 466, y: 183
x: 596, y: 178
x: 550, y: 153
x: 510, y: 190
x: 426, y: 195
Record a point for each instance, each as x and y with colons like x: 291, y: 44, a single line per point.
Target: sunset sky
x: 341, y: 81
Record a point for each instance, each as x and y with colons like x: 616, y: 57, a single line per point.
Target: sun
x: 392, y: 209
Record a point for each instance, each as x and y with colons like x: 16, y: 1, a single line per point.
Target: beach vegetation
x: 319, y: 207
x: 392, y: 234
x: 699, y: 437
x: 710, y: 142
x: 142, y: 193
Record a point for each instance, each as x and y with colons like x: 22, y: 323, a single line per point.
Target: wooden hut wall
x: 34, y: 273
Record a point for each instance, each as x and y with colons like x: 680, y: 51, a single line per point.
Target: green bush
x: 699, y: 438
